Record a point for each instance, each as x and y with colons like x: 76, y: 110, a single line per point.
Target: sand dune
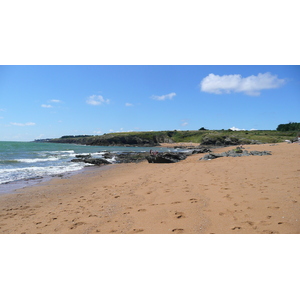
x: 254, y: 194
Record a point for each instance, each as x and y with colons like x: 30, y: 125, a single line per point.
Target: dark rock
x: 260, y: 153
x: 96, y: 161
x: 83, y: 156
x: 234, y: 153
x: 201, y: 150
x: 211, y: 156
x: 108, y: 155
x: 166, y: 157
x: 131, y: 157
x: 93, y: 161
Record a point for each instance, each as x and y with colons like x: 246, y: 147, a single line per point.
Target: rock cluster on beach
x: 234, y: 153
x: 166, y: 157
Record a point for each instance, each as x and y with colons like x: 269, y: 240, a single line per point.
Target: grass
x: 199, y: 136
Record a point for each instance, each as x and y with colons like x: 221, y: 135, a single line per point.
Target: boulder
x: 166, y: 157
x: 201, y: 150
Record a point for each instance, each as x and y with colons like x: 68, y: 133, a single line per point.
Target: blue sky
x: 51, y: 101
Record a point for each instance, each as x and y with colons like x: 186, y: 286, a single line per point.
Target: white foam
x: 34, y: 160
x: 8, y: 175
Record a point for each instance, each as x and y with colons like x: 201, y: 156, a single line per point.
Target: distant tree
x: 202, y: 128
x: 292, y: 126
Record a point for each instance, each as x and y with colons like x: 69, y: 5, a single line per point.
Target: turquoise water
x: 27, y: 160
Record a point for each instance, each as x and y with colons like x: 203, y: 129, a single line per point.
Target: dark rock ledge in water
x: 136, y: 157
x: 234, y: 153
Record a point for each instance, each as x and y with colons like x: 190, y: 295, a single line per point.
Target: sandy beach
x: 253, y: 194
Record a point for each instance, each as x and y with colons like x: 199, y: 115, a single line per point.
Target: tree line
x: 292, y: 126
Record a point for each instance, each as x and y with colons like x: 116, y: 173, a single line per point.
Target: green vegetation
x: 203, y: 136
x: 292, y: 126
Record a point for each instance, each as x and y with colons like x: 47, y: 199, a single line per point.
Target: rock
x: 83, y: 156
x: 131, y: 157
x: 260, y: 153
x: 93, y: 161
x: 234, y: 153
x: 211, y: 156
x: 96, y: 161
x: 201, y: 150
x: 166, y: 157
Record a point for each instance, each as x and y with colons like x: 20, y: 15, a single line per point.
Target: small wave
x: 9, y: 175
x: 34, y: 160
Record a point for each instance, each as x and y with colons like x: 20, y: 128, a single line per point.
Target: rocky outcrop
x: 130, y: 157
x: 201, y: 150
x: 166, y: 157
x: 234, y: 153
x: 92, y: 161
x: 225, y: 140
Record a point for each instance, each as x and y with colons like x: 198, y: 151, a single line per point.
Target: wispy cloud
x: 23, y: 124
x: 128, y: 104
x: 184, y: 124
x: 55, y: 101
x: 97, y: 100
x: 163, y: 97
x: 251, y: 85
x: 46, y: 106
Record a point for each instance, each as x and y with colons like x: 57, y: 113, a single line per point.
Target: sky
x: 48, y: 101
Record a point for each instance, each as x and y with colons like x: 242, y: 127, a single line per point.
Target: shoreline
x: 225, y: 195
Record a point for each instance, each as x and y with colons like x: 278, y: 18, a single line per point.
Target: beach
x: 228, y: 195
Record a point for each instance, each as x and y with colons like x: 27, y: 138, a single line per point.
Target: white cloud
x: 184, y: 124
x: 128, y: 104
x: 236, y: 129
x: 46, y: 106
x: 55, y: 101
x: 164, y: 97
x: 97, y: 100
x: 23, y: 124
x: 251, y: 85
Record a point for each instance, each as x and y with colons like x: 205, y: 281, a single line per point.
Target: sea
x: 22, y: 163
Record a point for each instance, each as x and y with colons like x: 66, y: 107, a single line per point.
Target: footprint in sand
x: 179, y: 215
x: 178, y: 230
x: 193, y: 200
x: 176, y: 202
x: 270, y: 231
x: 250, y: 223
x: 237, y: 227
x: 142, y: 209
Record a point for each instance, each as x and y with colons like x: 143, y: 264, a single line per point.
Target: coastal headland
x: 228, y: 195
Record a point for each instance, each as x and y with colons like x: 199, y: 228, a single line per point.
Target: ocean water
x: 28, y: 160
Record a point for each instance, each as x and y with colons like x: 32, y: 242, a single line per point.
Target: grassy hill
x: 205, y: 137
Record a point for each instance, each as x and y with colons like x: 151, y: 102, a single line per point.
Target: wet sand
x: 253, y: 194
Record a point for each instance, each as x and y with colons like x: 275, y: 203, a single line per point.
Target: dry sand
x: 255, y: 194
